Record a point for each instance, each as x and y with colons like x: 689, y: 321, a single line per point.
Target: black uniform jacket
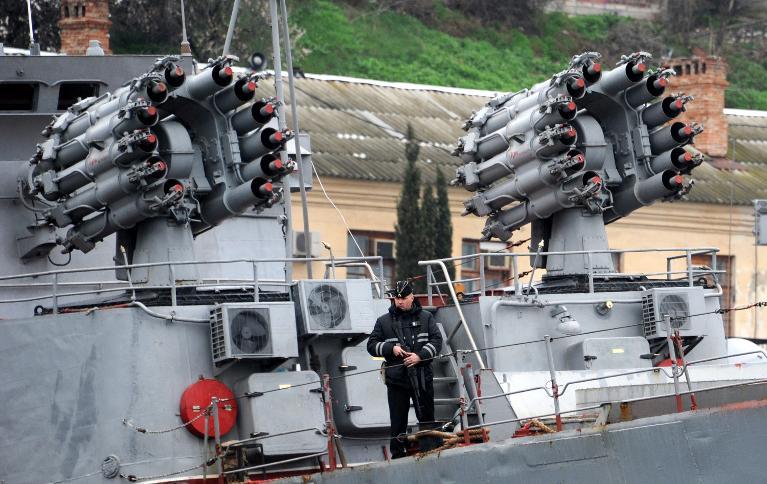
x: 421, y: 336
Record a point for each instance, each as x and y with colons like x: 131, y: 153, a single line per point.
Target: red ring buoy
x: 196, y: 399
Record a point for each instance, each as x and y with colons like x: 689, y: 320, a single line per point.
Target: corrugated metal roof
x: 357, y: 129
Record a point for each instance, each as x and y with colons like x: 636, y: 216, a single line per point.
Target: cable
x: 340, y: 214
x: 446, y: 355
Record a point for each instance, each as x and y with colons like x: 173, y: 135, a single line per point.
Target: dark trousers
x: 399, y: 406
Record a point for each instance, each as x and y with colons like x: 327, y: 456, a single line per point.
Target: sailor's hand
x: 399, y: 352
x: 412, y: 359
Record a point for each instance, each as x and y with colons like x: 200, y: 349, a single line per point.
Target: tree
x: 135, y: 27
x: 14, y: 26
x: 443, y: 235
x: 429, y: 215
x: 407, y: 232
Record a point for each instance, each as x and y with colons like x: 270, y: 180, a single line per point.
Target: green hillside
x: 335, y: 38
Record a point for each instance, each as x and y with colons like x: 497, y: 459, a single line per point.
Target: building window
x: 372, y: 244
x: 727, y: 264
x: 497, y: 273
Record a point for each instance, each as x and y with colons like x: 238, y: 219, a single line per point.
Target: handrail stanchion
x: 554, y: 387
x: 674, y: 366
x: 329, y: 427
x: 217, y: 430
x: 482, y: 282
x: 255, y: 282
x: 678, y: 346
x: 173, y: 295
x: 381, y: 274
x: 515, y: 270
x: 205, y: 446
x: 429, y: 290
x: 689, y: 267
x: 591, y: 272
x: 55, y: 304
x: 458, y: 309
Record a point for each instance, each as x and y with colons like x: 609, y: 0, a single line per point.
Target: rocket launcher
x: 569, y: 158
x: 192, y: 150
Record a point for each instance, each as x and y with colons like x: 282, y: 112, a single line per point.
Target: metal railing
x: 689, y: 272
x: 106, y: 286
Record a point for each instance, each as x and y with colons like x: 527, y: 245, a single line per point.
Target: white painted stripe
x: 378, y: 349
x: 431, y: 351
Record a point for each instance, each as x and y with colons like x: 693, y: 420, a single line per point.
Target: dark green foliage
x: 443, y: 234
x: 429, y: 214
x: 407, y: 232
x: 14, y: 26
x: 136, y: 29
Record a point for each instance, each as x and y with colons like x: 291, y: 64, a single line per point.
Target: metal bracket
x: 352, y: 408
x: 347, y: 367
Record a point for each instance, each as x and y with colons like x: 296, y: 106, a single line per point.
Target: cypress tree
x: 443, y: 226
x: 428, y: 231
x: 407, y: 232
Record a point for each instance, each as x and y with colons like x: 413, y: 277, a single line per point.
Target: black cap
x: 402, y: 289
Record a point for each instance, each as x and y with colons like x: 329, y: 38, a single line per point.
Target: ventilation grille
x: 327, y: 307
x: 250, y: 332
x: 656, y: 305
x: 217, y: 336
x: 648, y: 316
x: 240, y: 332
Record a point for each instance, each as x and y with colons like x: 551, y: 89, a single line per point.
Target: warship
x: 152, y: 330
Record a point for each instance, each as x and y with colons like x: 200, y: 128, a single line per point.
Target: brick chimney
x: 83, y: 21
x: 705, y: 78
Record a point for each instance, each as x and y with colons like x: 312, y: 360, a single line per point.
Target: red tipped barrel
x: 173, y: 186
x: 148, y: 115
x: 576, y: 87
x: 568, y: 137
x: 175, y: 75
x: 576, y: 161
x: 658, y: 113
x: 157, y: 91
x: 592, y: 72
x: 262, y: 142
x: 158, y: 169
x: 223, y: 75
x: 263, y: 111
x: 262, y: 188
x: 635, y: 70
x: 672, y: 181
x: 148, y: 142
x: 670, y: 137
x: 259, y: 113
x: 568, y: 110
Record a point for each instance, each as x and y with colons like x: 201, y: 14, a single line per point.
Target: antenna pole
x: 29, y: 17
x: 230, y: 32
x: 185, y: 47
x: 297, y: 138
x: 279, y: 88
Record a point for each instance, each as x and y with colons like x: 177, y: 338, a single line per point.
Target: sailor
x: 408, y: 338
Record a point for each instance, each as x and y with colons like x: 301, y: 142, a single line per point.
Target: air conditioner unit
x: 299, y: 244
x: 335, y: 306
x: 253, y: 331
x: 678, y: 303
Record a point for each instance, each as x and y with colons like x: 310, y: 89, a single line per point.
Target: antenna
x: 294, y: 110
x: 185, y: 47
x: 230, y: 32
x: 29, y: 16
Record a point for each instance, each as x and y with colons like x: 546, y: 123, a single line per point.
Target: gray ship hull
x: 719, y: 445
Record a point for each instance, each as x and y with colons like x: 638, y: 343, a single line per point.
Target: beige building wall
x: 371, y: 206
